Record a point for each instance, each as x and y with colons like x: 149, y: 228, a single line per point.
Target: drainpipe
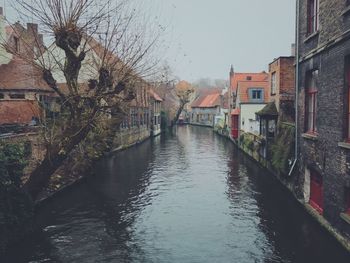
x: 296, y: 89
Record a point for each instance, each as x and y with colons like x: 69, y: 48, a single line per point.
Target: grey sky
x: 210, y: 35
x: 206, y: 36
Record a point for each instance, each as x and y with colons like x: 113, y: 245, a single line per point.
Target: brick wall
x: 321, y: 151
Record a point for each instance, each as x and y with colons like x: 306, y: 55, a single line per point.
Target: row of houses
x: 295, y: 118
x: 25, y: 97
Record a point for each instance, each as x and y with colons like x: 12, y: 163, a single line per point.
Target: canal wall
x: 263, y: 154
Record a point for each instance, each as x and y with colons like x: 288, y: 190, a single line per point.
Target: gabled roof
x: 21, y: 75
x: 154, y: 95
x: 236, y: 111
x: 207, y: 101
x: 269, y: 110
x: 243, y: 90
x: 243, y: 77
x: 18, y: 111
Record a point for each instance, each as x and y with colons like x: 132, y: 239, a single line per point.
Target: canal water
x: 190, y: 196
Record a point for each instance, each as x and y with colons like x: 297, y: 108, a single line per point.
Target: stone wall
x: 128, y: 137
x: 34, y: 141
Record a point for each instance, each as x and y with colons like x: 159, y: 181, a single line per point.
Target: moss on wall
x: 282, y: 149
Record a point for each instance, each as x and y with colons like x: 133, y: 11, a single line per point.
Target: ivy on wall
x: 282, y: 149
x: 16, y: 208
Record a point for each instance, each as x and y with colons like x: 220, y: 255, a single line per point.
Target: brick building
x: 282, y: 86
x: 323, y: 94
x: 248, y: 94
x: 22, y: 89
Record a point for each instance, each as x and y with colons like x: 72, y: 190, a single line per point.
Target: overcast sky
x: 206, y: 36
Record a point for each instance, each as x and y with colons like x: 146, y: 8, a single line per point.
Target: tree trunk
x: 41, y: 176
x: 178, y: 113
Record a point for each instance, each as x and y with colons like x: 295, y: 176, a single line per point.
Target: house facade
x: 156, y: 107
x: 248, y: 95
x: 205, y: 109
x: 23, y: 92
x: 323, y: 116
x: 280, y: 109
x: 137, y: 124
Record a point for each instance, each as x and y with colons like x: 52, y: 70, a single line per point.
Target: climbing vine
x: 16, y: 209
x: 282, y: 149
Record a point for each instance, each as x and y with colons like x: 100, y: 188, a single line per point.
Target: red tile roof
x: 20, y: 75
x: 242, y: 77
x: 18, y: 111
x: 236, y: 111
x: 243, y: 90
x: 207, y: 101
x: 155, y: 95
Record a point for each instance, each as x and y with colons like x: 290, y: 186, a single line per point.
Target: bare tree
x: 184, y: 90
x: 99, y: 53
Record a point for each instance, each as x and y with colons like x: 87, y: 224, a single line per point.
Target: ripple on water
x: 188, y: 198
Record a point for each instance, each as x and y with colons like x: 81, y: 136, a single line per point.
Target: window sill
x: 345, y: 217
x: 311, y: 36
x: 344, y: 145
x: 346, y: 11
x: 310, y: 136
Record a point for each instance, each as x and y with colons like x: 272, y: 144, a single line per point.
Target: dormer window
x: 256, y: 95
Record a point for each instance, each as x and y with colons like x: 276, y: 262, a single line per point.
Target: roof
x: 18, y: 111
x: 236, y: 111
x: 154, y: 95
x: 269, y: 110
x: 207, y: 101
x: 242, y: 77
x: 21, y: 75
x: 243, y: 90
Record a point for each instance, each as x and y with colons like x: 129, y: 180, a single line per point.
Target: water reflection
x: 190, y: 196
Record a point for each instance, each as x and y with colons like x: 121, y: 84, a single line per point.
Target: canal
x: 190, y: 196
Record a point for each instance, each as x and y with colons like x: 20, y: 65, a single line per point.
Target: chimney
x: 32, y: 29
x: 293, y: 50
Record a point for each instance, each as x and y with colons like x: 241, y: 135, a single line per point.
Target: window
x: 311, y: 102
x: 17, y: 96
x: 134, y: 117
x: 256, y: 95
x: 273, y: 83
x: 2, y: 96
x: 312, y: 16
x: 347, y: 103
x: 249, y: 77
x: 316, y: 191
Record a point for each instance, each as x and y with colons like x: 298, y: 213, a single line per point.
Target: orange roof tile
x: 207, y: 101
x: 236, y: 111
x: 241, y: 77
x: 155, y: 95
x: 243, y: 90
x: 18, y: 111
